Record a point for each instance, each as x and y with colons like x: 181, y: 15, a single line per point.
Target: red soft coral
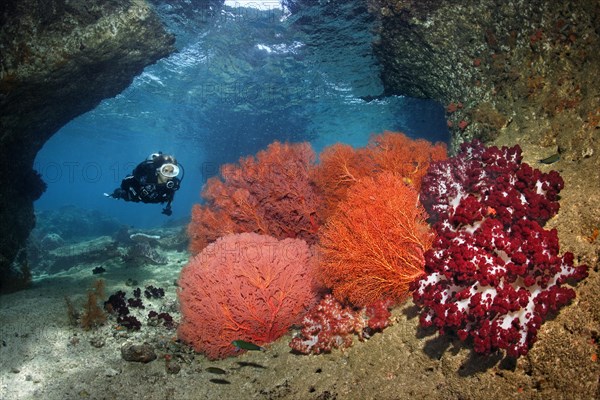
x: 270, y: 194
x: 330, y: 325
x: 493, y: 273
x: 244, y: 287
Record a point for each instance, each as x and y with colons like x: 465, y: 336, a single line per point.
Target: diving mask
x: 169, y: 170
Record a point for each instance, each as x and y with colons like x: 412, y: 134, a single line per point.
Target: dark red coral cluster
x: 480, y: 181
x: 493, y: 273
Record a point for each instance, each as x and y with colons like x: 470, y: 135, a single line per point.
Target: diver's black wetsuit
x: 142, y: 185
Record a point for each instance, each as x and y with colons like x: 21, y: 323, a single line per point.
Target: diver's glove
x: 167, y: 211
x: 117, y: 194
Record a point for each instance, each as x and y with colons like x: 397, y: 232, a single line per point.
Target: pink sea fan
x: 247, y: 287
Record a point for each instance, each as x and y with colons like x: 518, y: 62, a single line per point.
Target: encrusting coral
x: 270, y: 194
x: 373, y: 246
x: 246, y: 287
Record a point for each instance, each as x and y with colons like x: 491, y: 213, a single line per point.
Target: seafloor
x: 44, y: 356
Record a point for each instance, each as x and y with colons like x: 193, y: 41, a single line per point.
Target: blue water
x: 239, y: 80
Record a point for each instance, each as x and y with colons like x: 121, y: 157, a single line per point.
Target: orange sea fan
x: 373, y: 246
x: 340, y: 166
x: 409, y: 158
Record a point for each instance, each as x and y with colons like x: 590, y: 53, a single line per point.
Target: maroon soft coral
x: 493, y: 273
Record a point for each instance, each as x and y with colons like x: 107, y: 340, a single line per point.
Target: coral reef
x: 54, y: 253
x: 493, y: 274
x: 72, y: 223
x: 329, y: 325
x: 373, y: 246
x: 270, y: 194
x: 141, y: 253
x: 95, y: 251
x: 51, y: 241
x: 244, y: 287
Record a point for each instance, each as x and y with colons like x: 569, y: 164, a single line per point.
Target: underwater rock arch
x: 59, y: 60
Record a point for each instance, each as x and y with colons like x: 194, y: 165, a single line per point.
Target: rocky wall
x: 60, y: 58
x: 498, y: 66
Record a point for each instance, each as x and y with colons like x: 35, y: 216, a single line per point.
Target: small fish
x: 216, y: 370
x: 241, y: 344
x: 550, y: 160
x: 220, y: 381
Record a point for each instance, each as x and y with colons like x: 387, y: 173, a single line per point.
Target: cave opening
x: 242, y: 77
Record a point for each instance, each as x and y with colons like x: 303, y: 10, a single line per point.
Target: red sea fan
x: 340, y: 166
x: 270, y: 194
x: 244, y: 287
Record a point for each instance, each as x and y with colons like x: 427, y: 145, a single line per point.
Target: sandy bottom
x: 43, y: 356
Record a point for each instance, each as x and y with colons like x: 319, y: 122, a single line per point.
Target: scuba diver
x: 152, y: 181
